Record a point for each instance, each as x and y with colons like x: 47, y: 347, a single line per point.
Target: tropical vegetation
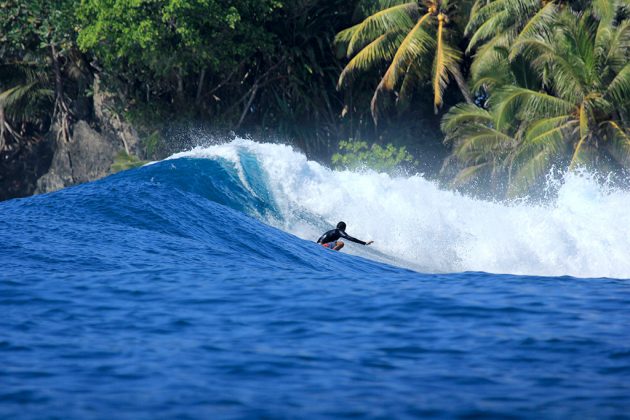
x: 550, y: 81
x: 357, y: 154
x: 558, y: 93
x: 516, y: 86
x: 416, y: 38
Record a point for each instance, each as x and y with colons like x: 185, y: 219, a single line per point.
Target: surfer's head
x: 341, y: 226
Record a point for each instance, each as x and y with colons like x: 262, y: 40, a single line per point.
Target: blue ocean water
x: 191, y: 288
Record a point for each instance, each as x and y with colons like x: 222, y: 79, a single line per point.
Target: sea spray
x: 580, y: 232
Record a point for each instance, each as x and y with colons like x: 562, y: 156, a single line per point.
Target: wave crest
x: 582, y: 232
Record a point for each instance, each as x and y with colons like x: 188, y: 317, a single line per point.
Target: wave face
x: 192, y: 288
x: 417, y: 225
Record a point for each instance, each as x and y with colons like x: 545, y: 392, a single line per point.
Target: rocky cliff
x: 89, y: 153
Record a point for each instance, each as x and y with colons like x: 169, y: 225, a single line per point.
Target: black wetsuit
x: 335, y: 234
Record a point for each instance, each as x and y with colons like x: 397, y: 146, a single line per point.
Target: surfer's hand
x: 369, y: 242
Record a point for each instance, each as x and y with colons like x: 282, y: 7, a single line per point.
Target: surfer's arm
x: 355, y: 240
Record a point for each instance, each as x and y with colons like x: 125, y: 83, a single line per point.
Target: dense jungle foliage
x: 516, y: 86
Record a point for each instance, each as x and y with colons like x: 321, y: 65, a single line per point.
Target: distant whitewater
x: 583, y: 232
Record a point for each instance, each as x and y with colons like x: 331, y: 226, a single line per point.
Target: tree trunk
x: 1, y: 128
x: 58, y: 79
x: 202, y: 78
x: 247, y: 105
x: 459, y: 79
x: 61, y: 110
x: 180, y: 85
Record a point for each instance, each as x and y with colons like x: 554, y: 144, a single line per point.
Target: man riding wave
x: 331, y: 238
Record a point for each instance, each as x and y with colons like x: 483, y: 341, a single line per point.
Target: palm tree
x: 479, y: 147
x: 578, y: 115
x: 496, y: 26
x: 25, y: 104
x: 415, y: 38
x: 588, y: 79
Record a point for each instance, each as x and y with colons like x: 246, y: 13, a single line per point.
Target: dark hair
x: 341, y: 226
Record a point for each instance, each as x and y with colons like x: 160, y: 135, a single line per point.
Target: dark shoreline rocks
x: 22, y: 165
x: 87, y: 156
x: 51, y: 163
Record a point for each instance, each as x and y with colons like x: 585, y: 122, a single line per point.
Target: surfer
x: 330, y: 239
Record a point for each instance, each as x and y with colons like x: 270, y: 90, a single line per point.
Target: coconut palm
x: 493, y: 27
x: 588, y: 79
x: 24, y: 103
x: 480, y: 149
x: 576, y: 118
x: 497, y: 27
x: 415, y: 38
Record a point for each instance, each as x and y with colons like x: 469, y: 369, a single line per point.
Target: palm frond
x: 543, y: 19
x: 446, y: 60
x: 15, y: 94
x: 395, y: 18
x: 603, y: 38
x: 524, y: 75
x: 618, y: 46
x: 411, y: 80
x: 531, y: 171
x: 618, y: 90
x: 619, y: 144
x: 474, y: 12
x: 604, y: 10
x: 490, y: 28
x: 513, y: 100
x: 462, y: 115
x: 490, y: 67
x: 374, y: 103
x: 548, y: 128
x: 380, y: 50
x: 479, y: 15
x: 25, y: 102
x: 416, y: 43
x: 343, y: 38
x: 543, y: 144
x: 469, y: 173
x: 486, y: 140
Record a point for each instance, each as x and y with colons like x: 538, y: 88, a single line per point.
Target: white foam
x: 584, y: 232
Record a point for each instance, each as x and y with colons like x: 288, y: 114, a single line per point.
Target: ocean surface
x: 192, y: 288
